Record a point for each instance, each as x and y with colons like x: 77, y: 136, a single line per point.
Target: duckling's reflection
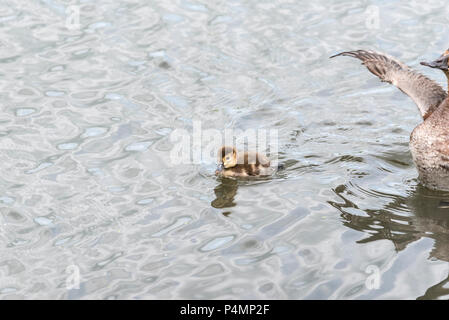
x: 425, y: 213
x: 429, y: 218
x: 225, y: 193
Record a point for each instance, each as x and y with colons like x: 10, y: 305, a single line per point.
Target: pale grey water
x: 86, y: 181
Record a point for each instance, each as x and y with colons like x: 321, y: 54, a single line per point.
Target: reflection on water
x: 225, y: 193
x: 438, y: 291
x: 87, y: 181
x: 422, y: 213
x: 227, y: 188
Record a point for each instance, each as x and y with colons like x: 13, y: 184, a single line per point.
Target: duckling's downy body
x: 429, y: 141
x: 233, y: 163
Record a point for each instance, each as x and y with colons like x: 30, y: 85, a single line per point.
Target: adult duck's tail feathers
x: 426, y: 93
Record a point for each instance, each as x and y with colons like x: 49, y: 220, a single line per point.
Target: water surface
x: 86, y: 178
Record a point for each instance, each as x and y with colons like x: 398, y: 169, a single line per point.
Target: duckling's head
x: 227, y: 157
x: 441, y: 63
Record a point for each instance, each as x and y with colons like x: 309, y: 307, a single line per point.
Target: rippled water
x: 86, y: 179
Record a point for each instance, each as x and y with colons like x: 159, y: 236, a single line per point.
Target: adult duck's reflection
x: 405, y: 219
x: 425, y: 213
x: 225, y: 193
x: 436, y: 291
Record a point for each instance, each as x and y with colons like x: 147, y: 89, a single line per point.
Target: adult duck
x: 429, y: 141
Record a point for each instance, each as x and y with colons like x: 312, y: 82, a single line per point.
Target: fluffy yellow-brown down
x: 233, y: 163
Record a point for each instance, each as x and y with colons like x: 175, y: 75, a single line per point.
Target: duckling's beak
x: 219, y: 168
x: 440, y: 63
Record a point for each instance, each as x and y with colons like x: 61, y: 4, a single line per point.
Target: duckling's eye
x: 227, y: 158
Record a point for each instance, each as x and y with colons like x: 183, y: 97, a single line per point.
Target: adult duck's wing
x: 426, y: 93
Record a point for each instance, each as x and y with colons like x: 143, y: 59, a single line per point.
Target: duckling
x: 233, y: 163
x: 429, y: 141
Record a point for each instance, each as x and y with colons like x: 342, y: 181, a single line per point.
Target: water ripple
x: 87, y: 178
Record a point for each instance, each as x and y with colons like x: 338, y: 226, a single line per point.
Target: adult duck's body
x: 429, y: 141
